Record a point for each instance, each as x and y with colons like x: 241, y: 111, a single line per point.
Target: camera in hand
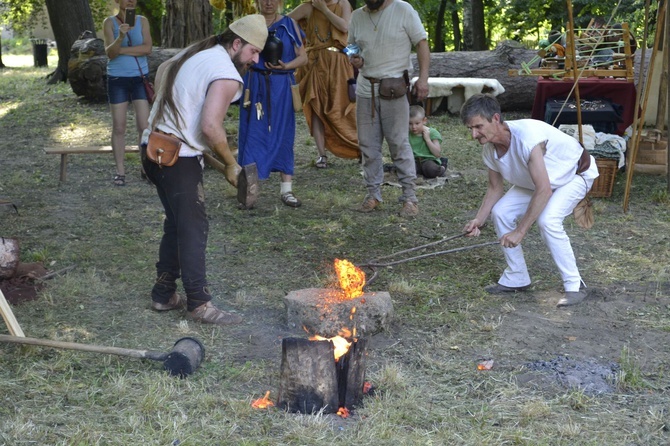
x: 351, y: 50
x: 130, y: 17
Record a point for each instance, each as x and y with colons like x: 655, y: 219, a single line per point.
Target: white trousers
x: 511, y: 208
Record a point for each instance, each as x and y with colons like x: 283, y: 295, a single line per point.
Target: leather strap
x: 584, y: 162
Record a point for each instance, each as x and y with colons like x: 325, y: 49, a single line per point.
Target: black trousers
x: 185, y: 229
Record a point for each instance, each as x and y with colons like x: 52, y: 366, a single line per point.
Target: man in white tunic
x: 550, y: 174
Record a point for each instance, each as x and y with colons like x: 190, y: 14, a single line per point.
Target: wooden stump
x: 311, y: 380
x: 9, y: 257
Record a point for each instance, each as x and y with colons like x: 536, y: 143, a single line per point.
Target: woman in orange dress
x: 330, y: 115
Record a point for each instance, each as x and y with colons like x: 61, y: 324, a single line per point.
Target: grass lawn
x: 423, y: 365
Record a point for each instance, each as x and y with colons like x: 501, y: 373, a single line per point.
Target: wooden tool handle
x: 142, y: 354
x: 8, y: 316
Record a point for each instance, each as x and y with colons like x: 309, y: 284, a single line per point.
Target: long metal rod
x: 416, y: 248
x: 430, y: 254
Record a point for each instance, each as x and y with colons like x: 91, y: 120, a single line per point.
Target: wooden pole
x: 640, y: 123
x: 666, y: 50
x: 8, y: 316
x: 636, y: 113
x: 663, y: 84
x: 575, y: 74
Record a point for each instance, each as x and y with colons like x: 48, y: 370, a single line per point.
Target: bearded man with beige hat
x: 195, y: 89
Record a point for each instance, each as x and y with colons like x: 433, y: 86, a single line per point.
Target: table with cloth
x: 619, y: 92
x: 457, y: 90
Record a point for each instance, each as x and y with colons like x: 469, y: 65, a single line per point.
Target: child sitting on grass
x: 425, y: 142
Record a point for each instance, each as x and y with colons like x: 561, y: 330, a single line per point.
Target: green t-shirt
x: 419, y: 146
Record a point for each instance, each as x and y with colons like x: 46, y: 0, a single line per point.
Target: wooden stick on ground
x: 10, y: 320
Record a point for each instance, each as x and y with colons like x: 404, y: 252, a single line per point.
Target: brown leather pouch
x: 393, y: 88
x: 163, y: 149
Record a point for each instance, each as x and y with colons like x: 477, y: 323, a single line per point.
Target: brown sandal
x: 209, y: 314
x: 176, y: 302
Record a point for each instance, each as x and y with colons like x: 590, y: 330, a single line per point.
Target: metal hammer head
x: 185, y: 357
x: 247, y: 186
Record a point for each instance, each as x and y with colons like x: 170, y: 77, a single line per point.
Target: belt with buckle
x: 334, y: 48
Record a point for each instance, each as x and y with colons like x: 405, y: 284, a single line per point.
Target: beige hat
x: 251, y: 28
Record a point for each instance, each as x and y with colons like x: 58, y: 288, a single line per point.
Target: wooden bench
x: 65, y: 151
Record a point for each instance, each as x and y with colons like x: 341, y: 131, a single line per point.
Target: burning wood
x: 263, y: 403
x: 343, y: 412
x: 312, y: 379
x: 341, y: 344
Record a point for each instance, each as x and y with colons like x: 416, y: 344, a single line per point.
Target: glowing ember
x: 485, y: 365
x: 343, y: 412
x: 263, y: 403
x: 367, y: 387
x: 352, y: 278
x: 340, y: 343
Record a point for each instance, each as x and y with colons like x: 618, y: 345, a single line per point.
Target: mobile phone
x: 130, y: 17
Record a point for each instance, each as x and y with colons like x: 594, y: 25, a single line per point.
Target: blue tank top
x: 124, y: 65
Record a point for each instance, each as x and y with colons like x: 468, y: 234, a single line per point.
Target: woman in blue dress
x: 267, y: 119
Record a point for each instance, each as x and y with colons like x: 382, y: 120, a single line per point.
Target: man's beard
x: 374, y: 5
x: 242, y: 67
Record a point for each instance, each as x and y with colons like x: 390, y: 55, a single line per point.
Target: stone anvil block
x: 326, y: 311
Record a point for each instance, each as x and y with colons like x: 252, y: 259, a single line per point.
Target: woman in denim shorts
x: 127, y: 48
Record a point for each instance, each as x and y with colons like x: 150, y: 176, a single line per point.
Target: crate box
x: 652, y: 151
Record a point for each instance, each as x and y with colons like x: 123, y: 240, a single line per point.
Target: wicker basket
x: 602, y: 186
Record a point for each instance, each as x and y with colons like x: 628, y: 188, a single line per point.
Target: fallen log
x: 87, y: 67
x: 519, y: 91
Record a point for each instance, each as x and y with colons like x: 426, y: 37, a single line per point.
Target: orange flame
x: 263, y: 403
x: 485, y: 365
x: 367, y: 386
x: 340, y: 343
x: 343, y: 412
x: 352, y: 278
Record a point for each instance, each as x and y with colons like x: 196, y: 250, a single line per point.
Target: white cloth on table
x: 443, y: 86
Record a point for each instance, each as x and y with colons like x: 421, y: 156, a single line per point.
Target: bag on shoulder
x: 297, y: 100
x: 163, y: 149
x: 149, y: 89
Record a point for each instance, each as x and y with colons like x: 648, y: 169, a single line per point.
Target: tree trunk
x: 2, y: 65
x: 69, y: 19
x: 186, y: 22
x: 467, y: 25
x: 439, y: 45
x: 479, y: 42
x: 456, y: 26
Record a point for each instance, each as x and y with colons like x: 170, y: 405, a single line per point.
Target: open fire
x: 326, y: 373
x: 351, y: 278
